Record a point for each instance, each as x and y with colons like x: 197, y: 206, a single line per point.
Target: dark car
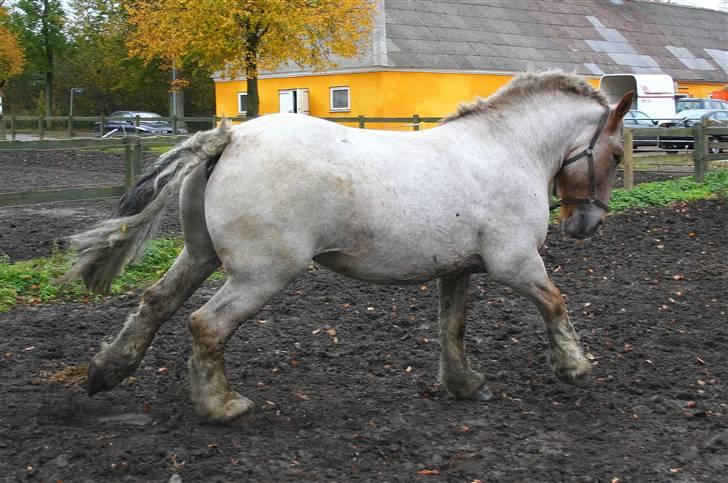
x: 712, y: 117
x: 637, y: 120
x: 125, y: 122
x: 687, y: 103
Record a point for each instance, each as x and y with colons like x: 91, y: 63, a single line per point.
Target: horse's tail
x: 104, y: 250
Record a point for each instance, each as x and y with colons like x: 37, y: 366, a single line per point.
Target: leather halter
x: 589, y: 154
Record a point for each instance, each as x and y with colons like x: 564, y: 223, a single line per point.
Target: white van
x: 655, y: 92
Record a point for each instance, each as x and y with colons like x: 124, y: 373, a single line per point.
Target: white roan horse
x: 266, y: 197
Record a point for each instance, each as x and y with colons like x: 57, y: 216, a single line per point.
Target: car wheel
x: 713, y: 148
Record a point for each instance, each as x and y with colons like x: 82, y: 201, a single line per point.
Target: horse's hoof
x: 104, y: 376
x: 484, y: 394
x: 575, y: 376
x: 235, y: 407
x: 97, y: 381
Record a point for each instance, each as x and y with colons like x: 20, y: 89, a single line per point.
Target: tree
x: 98, y: 60
x: 39, y: 24
x: 245, y: 36
x: 11, y: 56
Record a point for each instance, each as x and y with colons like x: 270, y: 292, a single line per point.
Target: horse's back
x: 375, y: 205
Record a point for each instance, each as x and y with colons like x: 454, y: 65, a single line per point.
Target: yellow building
x: 426, y: 57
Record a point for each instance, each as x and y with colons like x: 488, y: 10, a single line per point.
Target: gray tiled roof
x: 589, y: 36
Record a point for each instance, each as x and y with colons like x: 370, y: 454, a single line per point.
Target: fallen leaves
x: 433, y: 472
x: 330, y: 331
x: 69, y: 375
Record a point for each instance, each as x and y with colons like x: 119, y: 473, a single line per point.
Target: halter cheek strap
x: 589, y: 154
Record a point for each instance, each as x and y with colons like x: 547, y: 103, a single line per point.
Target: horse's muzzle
x: 583, y: 222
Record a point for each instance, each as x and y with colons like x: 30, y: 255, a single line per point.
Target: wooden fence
x: 40, y: 126
x: 704, y: 138
x: 131, y: 147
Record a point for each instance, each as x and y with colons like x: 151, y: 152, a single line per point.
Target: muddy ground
x: 344, y: 373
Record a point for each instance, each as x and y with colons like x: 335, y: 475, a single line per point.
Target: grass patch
x: 663, y: 193
x: 31, y: 281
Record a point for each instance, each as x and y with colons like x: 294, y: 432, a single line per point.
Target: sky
x: 711, y: 4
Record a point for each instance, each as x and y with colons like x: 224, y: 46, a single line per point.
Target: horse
x: 265, y: 197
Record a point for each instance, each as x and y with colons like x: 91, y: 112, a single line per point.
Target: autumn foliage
x: 11, y: 56
x: 242, y: 37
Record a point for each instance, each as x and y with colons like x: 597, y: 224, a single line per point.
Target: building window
x: 242, y: 103
x: 340, y: 99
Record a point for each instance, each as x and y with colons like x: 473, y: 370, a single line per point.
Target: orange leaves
x: 11, y: 56
x: 244, y: 36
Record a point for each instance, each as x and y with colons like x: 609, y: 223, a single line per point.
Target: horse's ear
x: 624, y: 105
x: 620, y: 110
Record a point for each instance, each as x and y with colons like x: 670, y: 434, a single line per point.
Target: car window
x: 642, y: 118
x: 721, y: 116
x: 714, y: 105
x: 685, y: 105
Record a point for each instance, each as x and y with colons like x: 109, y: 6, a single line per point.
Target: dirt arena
x: 343, y: 373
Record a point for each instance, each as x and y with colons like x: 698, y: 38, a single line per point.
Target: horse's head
x: 584, y: 182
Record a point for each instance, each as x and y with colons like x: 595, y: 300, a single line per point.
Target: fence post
x: 214, y: 122
x: 41, y: 127
x: 12, y: 128
x: 416, y: 122
x: 628, y: 159
x: 361, y: 122
x: 174, y: 125
x: 101, y: 125
x: 70, y: 127
x: 132, y: 159
x: 2, y: 129
x: 137, y: 155
x: 128, y: 167
x: 698, y: 153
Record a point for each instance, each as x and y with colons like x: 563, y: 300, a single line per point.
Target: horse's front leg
x: 527, y: 276
x: 455, y: 372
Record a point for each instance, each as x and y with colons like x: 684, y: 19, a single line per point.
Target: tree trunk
x: 253, y: 101
x: 49, y: 59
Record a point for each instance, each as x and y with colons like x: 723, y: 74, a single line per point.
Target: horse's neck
x: 539, y: 132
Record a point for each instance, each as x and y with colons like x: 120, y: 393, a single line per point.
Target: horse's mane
x: 528, y: 84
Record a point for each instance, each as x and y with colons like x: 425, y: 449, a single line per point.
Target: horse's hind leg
x: 196, y: 262
x: 455, y: 372
x: 121, y: 358
x: 243, y: 295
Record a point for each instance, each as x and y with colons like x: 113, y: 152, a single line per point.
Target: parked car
x: 697, y: 103
x: 149, y: 123
x: 713, y: 117
x: 637, y: 120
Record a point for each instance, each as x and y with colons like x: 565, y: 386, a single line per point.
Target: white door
x: 287, y: 101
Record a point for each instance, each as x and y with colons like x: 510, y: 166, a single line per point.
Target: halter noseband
x: 589, y: 153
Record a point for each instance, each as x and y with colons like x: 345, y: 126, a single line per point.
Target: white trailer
x: 655, y: 92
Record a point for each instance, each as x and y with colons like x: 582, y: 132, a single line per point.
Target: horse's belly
x: 408, y: 270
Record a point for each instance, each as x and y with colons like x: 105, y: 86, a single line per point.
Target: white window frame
x: 240, y: 95
x: 348, y: 99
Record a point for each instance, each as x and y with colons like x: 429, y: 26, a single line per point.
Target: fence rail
x: 99, y: 124
x: 133, y: 151
x: 705, y: 140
